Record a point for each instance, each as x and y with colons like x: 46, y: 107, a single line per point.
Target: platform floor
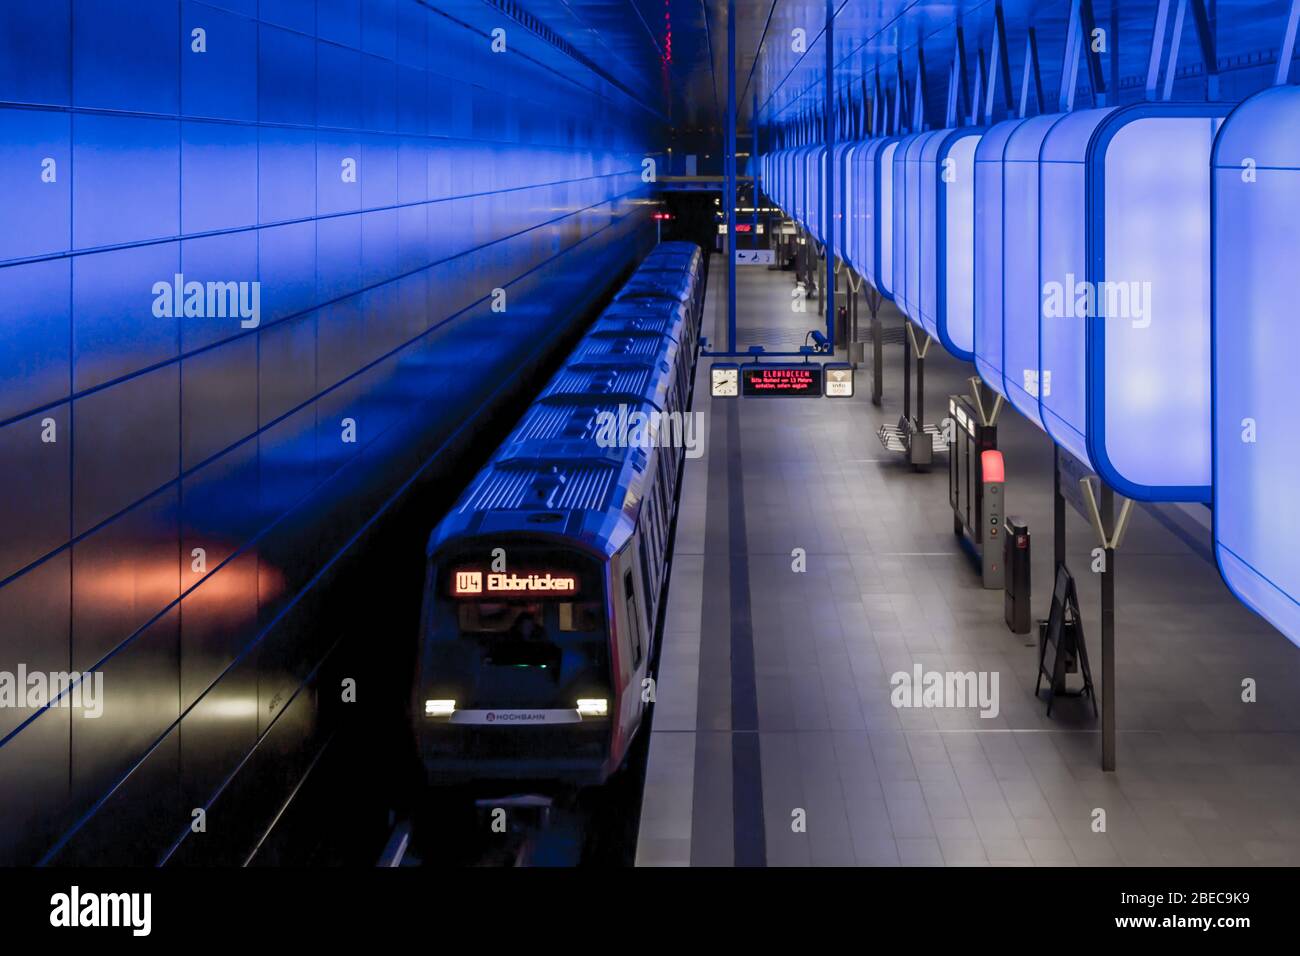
x: 773, y: 693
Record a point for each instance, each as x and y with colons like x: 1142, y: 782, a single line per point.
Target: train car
x: 679, y: 248
x: 686, y: 256
x: 661, y: 280
x: 544, y: 581
x: 691, y: 264
x: 659, y: 315
x: 605, y: 345
x: 674, y: 259
x: 674, y: 284
x: 628, y: 379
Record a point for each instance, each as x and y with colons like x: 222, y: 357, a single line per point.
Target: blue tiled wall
x: 130, y: 439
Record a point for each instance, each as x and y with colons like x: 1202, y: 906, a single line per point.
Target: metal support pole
x: 907, y: 374
x: 730, y: 191
x: 812, y: 274
x: 988, y: 398
x: 920, y: 388
x: 828, y: 219
x: 1108, y: 635
x: 801, y: 261
x: 877, y: 350
x: 853, y: 317
x: 1058, y: 510
x: 836, y: 290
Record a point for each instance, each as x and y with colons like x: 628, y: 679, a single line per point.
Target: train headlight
x: 439, y: 708
x: 593, y: 706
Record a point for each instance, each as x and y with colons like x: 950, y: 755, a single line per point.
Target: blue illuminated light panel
x: 1256, y: 338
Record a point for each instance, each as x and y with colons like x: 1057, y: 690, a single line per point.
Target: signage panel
x: 475, y: 582
x: 791, y: 380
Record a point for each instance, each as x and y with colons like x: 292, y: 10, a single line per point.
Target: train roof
x: 625, y: 378
x: 652, y: 284
x: 645, y: 307
x: 574, y: 421
x: 617, y: 324
x: 563, y: 487
x: 685, y: 254
x: 556, y: 476
x: 675, y: 247
x: 660, y: 263
x: 614, y: 344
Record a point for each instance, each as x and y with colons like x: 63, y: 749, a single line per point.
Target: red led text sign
x: 796, y: 380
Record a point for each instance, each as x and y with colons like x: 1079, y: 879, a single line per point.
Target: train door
x: 629, y: 604
x: 635, y: 620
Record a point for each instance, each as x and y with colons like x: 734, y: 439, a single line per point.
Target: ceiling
x: 672, y: 54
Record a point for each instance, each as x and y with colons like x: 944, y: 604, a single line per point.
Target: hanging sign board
x: 800, y: 381
x: 839, y: 380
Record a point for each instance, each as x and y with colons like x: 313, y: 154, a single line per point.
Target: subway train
x: 545, y: 580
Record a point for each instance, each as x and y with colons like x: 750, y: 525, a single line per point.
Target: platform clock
x: 724, y: 381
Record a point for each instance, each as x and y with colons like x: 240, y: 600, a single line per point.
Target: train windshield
x: 531, y: 636
x: 485, y: 617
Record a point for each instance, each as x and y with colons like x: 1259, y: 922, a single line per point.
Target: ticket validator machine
x: 977, y: 483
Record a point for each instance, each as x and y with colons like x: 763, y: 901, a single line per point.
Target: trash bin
x: 1015, y: 562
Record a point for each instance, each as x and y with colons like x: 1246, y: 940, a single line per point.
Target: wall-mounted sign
x: 755, y: 257
x: 839, y: 380
x: 792, y: 380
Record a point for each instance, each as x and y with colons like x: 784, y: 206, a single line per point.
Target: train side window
x: 645, y: 571
x: 585, y: 616
x: 665, y: 506
x: 634, y: 618
x: 663, y: 464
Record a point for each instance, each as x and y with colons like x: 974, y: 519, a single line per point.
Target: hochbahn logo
x: 512, y: 716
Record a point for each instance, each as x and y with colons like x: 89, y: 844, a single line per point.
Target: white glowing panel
x: 1125, y: 307
x: 990, y: 157
x: 1156, y: 371
x: 885, y: 217
x: 948, y: 231
x: 1020, y: 280
x: 1256, y: 341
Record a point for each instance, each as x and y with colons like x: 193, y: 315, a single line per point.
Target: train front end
x: 514, y: 677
